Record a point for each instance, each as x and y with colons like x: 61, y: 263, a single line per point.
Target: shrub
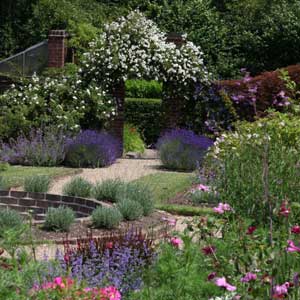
x: 4, y: 166
x: 145, y: 115
x: 9, y: 219
x: 132, y: 140
x: 92, y: 149
x: 118, y: 259
x: 201, y: 197
x: 62, y: 102
x: 78, y: 187
x: 137, y: 192
x: 40, y: 148
x: 143, y: 89
x: 106, y: 217
x: 37, y: 184
x: 268, y: 86
x: 182, y: 149
x: 266, y: 149
x: 59, y: 218
x: 130, y: 210
x: 107, y: 190
x: 4, y: 185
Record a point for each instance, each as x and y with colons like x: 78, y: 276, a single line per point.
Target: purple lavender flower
x: 91, y: 148
x: 182, y: 149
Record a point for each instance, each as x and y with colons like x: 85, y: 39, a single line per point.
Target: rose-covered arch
x: 134, y: 47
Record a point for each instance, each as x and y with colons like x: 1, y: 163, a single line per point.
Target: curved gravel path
x: 125, y: 169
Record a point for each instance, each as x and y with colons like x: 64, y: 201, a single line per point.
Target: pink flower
x: 250, y: 230
x: 211, y: 276
x: 204, y: 188
x: 221, y: 282
x: 284, y: 209
x: 222, y: 207
x: 249, y: 277
x: 292, y: 247
x: 176, y: 242
x: 59, y: 282
x: 280, y: 291
x: 109, y: 245
x: 295, y: 229
x: 170, y: 222
x: 111, y: 293
x: 208, y: 250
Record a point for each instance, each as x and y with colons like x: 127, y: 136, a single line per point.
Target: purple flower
x: 249, y: 277
x: 91, y: 148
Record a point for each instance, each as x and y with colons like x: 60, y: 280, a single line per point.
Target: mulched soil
x: 148, y: 224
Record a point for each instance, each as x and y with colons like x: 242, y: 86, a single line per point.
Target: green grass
x: 167, y: 185
x: 185, y: 210
x: 15, y: 175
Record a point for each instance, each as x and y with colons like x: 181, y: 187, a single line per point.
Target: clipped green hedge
x: 143, y: 89
x: 145, y: 115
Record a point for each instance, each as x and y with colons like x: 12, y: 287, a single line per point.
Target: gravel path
x: 125, y: 169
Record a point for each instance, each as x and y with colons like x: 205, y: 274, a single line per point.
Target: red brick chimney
x: 57, y: 49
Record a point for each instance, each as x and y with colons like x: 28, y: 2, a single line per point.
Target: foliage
x: 92, y: 149
x: 239, y: 159
x: 106, y: 217
x: 37, y: 184
x: 45, y: 147
x: 107, y: 190
x: 118, y: 260
x: 182, y: 149
x: 59, y: 218
x: 4, y: 166
x: 4, y: 185
x: 143, y: 89
x: 185, y: 210
x: 131, y: 210
x: 78, y: 187
x: 145, y: 115
x: 137, y: 192
x: 132, y: 140
x: 137, y: 48
x: 177, y: 275
x: 202, y: 194
x: 9, y: 219
x: 65, y: 102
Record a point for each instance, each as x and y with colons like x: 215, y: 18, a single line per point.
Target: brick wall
x: 39, y: 203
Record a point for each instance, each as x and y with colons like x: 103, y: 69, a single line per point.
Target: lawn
x: 16, y: 174
x: 167, y: 185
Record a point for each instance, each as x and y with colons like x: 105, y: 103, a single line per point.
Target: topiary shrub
x: 92, y: 149
x: 106, y: 217
x: 181, y: 149
x: 107, y: 190
x: 132, y: 140
x: 9, y: 219
x: 37, y: 184
x: 78, y: 187
x: 137, y: 192
x: 130, y: 210
x: 59, y: 218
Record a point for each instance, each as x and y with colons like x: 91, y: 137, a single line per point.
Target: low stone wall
x: 38, y: 203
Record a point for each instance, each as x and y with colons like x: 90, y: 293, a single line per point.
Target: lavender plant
x: 91, y: 148
x: 182, y: 149
x: 118, y: 261
x: 42, y: 147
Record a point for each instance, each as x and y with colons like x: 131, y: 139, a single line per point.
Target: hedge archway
x: 134, y: 47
